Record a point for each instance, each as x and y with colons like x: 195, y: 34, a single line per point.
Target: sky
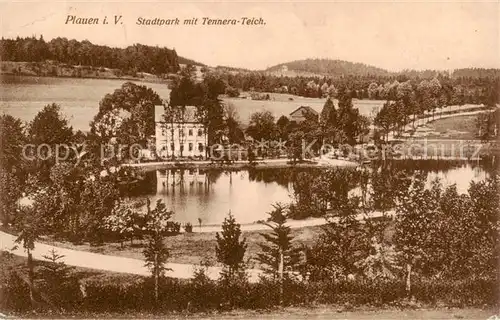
x: 390, y: 35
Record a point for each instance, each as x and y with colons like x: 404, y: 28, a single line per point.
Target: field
x: 280, y: 104
x: 79, y: 98
x: 459, y: 127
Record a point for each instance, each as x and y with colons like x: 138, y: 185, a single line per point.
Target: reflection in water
x: 210, y: 195
x: 250, y: 194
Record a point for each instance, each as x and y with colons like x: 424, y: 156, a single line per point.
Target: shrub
x: 106, y: 292
x: 232, y: 92
x: 459, y: 293
x: 203, y: 292
x: 188, y: 227
x: 173, y: 227
x: 14, y: 294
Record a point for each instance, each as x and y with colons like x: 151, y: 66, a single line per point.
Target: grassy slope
x: 55, y: 69
x: 194, y: 248
x: 460, y: 127
x: 191, y: 248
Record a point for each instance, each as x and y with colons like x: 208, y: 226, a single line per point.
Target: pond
x: 210, y: 194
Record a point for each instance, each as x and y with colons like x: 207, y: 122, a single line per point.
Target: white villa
x: 185, y: 136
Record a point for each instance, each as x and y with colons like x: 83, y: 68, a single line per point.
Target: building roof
x: 188, y: 116
x: 303, y: 111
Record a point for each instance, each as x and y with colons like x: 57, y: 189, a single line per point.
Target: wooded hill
x: 329, y: 67
x: 135, y: 58
x: 333, y: 68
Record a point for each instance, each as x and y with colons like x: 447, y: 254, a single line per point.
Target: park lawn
x: 459, y: 127
x: 195, y: 248
x: 190, y: 248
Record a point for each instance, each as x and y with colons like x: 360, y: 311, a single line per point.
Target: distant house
x: 299, y: 114
x: 185, y: 136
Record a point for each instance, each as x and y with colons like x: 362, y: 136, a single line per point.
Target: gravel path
x: 98, y: 261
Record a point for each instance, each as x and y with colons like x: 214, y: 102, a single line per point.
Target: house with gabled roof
x: 299, y: 114
x: 181, y: 136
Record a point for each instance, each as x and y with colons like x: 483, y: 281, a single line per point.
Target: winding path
x: 97, y: 261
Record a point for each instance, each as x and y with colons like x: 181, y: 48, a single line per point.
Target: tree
x: 328, y: 115
x: 373, y: 91
x: 261, y: 126
x: 347, y: 116
x: 340, y: 246
x: 279, y: 257
x: 12, y: 140
x: 381, y: 263
x: 10, y: 192
x: 233, y: 132
x: 155, y: 253
x: 125, y: 220
x: 230, y: 250
x: 413, y: 223
x: 56, y: 277
x: 29, y: 222
x: 295, y: 143
x: 205, y: 96
x: 485, y: 198
x: 488, y: 125
x: 384, y: 118
x: 138, y: 102
x: 48, y: 128
x: 283, y: 127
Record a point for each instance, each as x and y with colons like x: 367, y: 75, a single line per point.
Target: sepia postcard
x: 250, y: 160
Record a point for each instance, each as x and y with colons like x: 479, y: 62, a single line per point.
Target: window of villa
x: 190, y: 132
x: 200, y: 132
x: 172, y: 146
x: 200, y: 147
x: 190, y: 147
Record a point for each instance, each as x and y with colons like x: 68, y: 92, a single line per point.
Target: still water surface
x: 249, y: 195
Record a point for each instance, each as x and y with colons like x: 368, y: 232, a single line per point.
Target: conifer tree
x: 155, y: 253
x: 230, y: 250
x: 279, y: 257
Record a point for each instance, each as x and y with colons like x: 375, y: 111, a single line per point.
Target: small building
x: 299, y: 114
x: 184, y: 136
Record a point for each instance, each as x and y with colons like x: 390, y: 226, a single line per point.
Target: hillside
x: 325, y: 67
x: 129, y: 60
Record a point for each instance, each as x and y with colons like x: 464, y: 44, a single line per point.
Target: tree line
x: 471, y: 88
x: 407, y: 101
x: 136, y: 58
